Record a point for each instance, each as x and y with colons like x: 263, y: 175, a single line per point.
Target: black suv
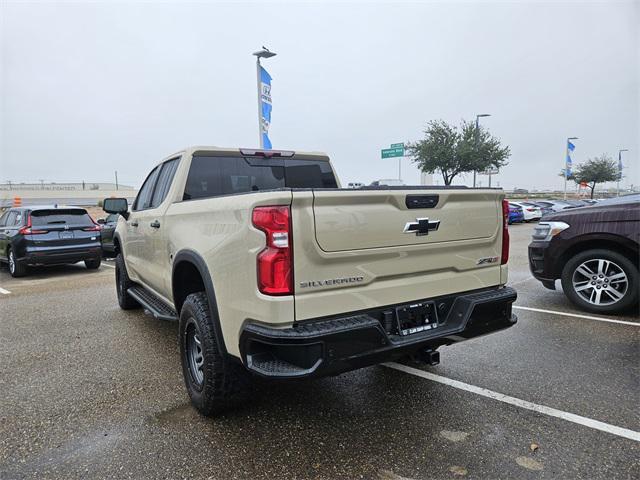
x: 48, y: 235
x: 594, y: 250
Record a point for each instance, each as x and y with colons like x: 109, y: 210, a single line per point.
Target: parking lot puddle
x: 177, y: 414
x: 89, y: 445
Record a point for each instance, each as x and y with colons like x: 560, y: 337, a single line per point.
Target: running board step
x: 152, y: 304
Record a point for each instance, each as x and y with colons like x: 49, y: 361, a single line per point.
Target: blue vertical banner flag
x: 265, y: 103
x: 570, y: 148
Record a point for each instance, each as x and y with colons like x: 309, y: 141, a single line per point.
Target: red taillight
x: 27, y: 230
x: 505, y: 232
x: 275, y: 269
x: 96, y: 226
x: 530, y: 210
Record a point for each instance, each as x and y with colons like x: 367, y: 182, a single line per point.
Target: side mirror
x: 101, y: 221
x: 116, y: 205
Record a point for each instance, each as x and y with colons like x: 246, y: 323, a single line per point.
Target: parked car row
x: 534, y: 210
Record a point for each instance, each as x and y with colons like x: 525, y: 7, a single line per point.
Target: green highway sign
x: 397, y: 145
x: 393, y: 152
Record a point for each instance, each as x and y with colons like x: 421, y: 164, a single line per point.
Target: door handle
x: 134, y: 224
x: 155, y: 224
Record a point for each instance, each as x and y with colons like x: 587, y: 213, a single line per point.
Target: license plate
x: 416, y: 318
x: 65, y: 235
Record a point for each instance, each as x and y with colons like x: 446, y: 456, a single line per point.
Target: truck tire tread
x: 225, y: 382
x: 123, y: 283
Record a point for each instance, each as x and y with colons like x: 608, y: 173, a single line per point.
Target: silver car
x: 556, y: 205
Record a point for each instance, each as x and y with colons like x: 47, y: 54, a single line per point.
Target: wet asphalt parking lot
x: 90, y: 391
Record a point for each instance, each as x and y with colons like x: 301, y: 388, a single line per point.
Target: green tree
x: 596, y: 170
x: 453, y: 150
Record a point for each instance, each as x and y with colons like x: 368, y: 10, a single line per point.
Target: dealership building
x: 83, y: 194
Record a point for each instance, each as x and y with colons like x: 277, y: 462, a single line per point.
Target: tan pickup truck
x: 273, y: 270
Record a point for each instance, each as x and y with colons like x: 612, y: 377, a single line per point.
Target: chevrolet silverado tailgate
x: 362, y: 219
x: 360, y: 249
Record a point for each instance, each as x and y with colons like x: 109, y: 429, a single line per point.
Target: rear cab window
x: 76, y: 217
x: 211, y: 176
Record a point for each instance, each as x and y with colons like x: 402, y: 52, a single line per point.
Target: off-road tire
x: 92, y: 264
x: 224, y: 383
x: 16, y: 267
x: 123, y: 283
x: 629, y: 299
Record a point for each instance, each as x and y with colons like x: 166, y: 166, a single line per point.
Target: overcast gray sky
x: 92, y: 87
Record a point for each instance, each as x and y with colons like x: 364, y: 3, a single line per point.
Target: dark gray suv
x: 48, y: 235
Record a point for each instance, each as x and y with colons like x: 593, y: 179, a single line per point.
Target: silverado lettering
x: 334, y: 281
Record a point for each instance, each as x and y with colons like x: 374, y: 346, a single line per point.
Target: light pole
x: 477, y: 129
x: 566, y: 170
x: 264, y: 53
x: 620, y: 168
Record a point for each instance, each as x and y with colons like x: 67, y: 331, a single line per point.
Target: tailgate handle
x: 421, y: 201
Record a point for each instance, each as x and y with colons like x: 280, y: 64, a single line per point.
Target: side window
x: 309, y: 174
x: 164, y: 181
x: 11, y: 219
x: 3, y: 218
x: 143, y: 200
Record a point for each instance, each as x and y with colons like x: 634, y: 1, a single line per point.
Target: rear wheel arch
x: 190, y: 274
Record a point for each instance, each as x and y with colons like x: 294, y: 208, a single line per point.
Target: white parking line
x: 521, y: 282
x: 570, y: 417
x: 107, y: 265
x: 587, y: 317
x: 4, y: 292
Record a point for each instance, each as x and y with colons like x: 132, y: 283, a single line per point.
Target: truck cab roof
x: 251, y: 152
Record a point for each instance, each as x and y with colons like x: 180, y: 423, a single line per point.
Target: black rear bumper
x: 58, y: 256
x: 330, y: 346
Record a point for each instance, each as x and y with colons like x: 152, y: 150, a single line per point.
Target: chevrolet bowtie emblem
x: 422, y: 226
